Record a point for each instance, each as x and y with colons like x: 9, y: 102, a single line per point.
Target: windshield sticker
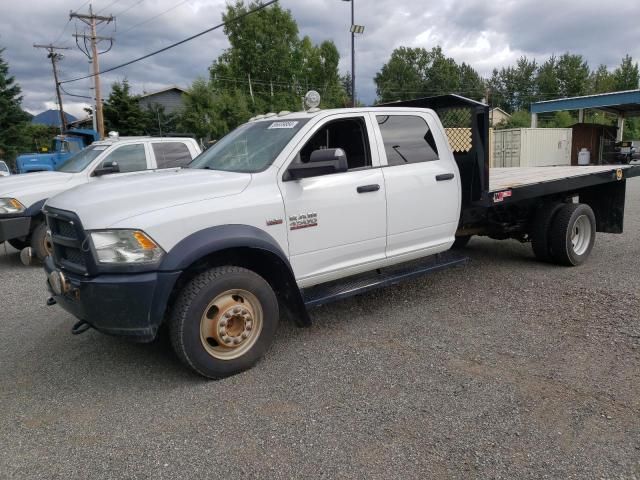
x: 282, y: 125
x: 98, y: 147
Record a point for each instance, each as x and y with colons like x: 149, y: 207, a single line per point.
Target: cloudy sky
x: 483, y: 33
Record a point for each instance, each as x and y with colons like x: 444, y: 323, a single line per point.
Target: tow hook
x: 26, y: 256
x: 80, y: 327
x: 51, y: 301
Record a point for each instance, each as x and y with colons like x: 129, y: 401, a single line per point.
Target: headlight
x: 10, y: 205
x: 125, y: 247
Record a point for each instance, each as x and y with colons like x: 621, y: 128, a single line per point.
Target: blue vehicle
x: 63, y: 147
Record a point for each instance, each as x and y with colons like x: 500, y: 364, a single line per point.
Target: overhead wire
x: 154, y: 17
x: 173, y: 45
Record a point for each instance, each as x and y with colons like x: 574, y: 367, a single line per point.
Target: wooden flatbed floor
x: 506, y: 178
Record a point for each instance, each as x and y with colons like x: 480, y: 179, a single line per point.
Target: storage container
x: 531, y: 147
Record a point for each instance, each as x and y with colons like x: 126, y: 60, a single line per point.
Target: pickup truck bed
x: 513, y: 177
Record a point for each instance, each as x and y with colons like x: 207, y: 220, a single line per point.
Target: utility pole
x: 55, y: 57
x: 92, y: 21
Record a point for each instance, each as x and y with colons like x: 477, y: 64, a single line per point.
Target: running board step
x: 348, y: 287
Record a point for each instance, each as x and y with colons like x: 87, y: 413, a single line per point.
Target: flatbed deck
x: 509, y: 178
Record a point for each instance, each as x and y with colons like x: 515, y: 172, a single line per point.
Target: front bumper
x: 15, y: 227
x: 131, y: 305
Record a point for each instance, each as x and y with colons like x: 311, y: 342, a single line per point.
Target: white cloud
x: 483, y: 34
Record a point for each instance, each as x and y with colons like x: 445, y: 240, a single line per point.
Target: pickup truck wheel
x: 41, y: 242
x: 223, y: 321
x: 461, y: 242
x: 573, y: 233
x: 540, y: 229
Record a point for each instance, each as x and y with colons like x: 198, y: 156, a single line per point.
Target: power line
x: 103, y: 9
x: 260, y: 7
x: 154, y: 17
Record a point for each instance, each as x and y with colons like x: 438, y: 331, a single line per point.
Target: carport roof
x: 626, y: 103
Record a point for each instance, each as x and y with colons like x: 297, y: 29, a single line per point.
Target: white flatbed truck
x: 294, y: 210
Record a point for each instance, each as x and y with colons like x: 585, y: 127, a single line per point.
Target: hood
x: 106, y: 201
x: 29, y: 188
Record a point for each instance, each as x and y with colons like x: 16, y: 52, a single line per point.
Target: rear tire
x: 224, y: 321
x: 461, y: 242
x: 40, y: 242
x: 540, y: 230
x: 573, y: 233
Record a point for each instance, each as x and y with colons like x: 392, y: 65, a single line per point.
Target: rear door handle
x: 368, y: 188
x: 444, y: 176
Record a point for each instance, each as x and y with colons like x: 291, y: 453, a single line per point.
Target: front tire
x: 40, y: 242
x: 573, y: 233
x: 224, y: 321
x: 460, y: 242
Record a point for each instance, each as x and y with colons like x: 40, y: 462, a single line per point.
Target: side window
x: 130, y: 158
x: 73, y: 147
x: 171, y: 154
x: 349, y: 134
x: 407, y: 139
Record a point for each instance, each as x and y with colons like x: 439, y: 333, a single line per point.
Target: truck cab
x: 22, y: 196
x: 62, y: 148
x: 280, y: 205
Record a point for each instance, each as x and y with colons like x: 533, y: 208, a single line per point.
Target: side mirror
x: 321, y: 162
x: 107, y: 168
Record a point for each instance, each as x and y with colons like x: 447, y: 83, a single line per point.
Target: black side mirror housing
x: 107, y: 168
x: 321, y: 162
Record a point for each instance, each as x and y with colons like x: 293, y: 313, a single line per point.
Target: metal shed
x: 623, y: 104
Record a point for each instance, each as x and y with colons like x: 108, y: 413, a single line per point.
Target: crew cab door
x: 336, y: 222
x: 422, y: 184
x: 172, y: 154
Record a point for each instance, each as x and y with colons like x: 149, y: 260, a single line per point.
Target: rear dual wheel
x: 224, y: 321
x: 564, y: 233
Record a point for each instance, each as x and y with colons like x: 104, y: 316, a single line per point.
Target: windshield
x: 3, y: 167
x: 250, y: 148
x: 82, y: 159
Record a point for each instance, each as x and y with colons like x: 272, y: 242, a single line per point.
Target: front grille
x: 68, y: 239
x: 73, y: 255
x: 66, y: 229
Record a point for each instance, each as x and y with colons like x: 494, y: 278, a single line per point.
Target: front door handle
x: 368, y: 188
x: 444, y: 176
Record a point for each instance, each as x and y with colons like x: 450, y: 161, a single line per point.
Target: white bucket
x: 584, y: 157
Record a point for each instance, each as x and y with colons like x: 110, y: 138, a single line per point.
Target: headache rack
x: 466, y: 123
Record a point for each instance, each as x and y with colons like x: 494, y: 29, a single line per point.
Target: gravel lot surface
x: 506, y: 368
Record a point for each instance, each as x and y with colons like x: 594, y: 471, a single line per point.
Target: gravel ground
x: 506, y: 368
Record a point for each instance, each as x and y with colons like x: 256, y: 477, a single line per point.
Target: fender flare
x: 222, y: 237
x: 35, y: 208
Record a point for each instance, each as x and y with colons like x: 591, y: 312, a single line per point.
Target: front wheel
x: 41, y: 242
x: 224, y: 321
x: 573, y: 233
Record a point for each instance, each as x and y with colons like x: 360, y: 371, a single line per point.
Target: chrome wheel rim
x: 231, y: 324
x: 581, y: 235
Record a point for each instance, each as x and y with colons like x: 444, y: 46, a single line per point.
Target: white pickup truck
x: 22, y: 196
x: 294, y: 210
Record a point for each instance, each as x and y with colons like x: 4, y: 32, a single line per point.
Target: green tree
x: 270, y: 65
x: 626, y: 76
x: 602, y: 81
x: 13, y: 119
x: 122, y: 111
x: 572, y: 72
x: 547, y: 84
x: 513, y: 88
x: 413, y: 72
x: 518, y: 119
